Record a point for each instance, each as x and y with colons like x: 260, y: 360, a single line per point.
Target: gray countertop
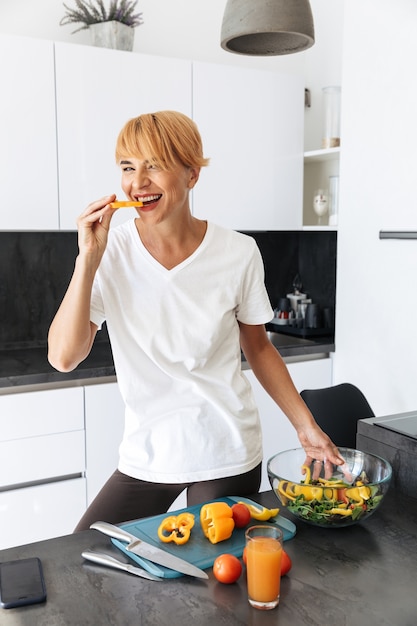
x: 28, y: 367
x: 353, y: 576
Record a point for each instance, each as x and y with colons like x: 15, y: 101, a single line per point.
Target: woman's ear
x: 194, y: 176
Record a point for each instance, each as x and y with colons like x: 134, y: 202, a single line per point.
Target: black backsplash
x: 311, y: 254
x: 36, y: 267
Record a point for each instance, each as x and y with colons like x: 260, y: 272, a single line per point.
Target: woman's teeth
x: 150, y: 199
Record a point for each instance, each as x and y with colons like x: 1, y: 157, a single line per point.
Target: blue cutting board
x: 198, y: 550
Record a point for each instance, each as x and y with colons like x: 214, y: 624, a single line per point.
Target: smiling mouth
x: 150, y: 199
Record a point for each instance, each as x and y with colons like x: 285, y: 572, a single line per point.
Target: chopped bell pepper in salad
x: 326, y: 501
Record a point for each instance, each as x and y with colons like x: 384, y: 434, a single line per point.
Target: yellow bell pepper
x: 309, y: 492
x: 307, y: 471
x: 260, y: 512
x: 176, y: 528
x: 290, y: 491
x: 216, y: 519
x: 340, y: 511
x: 283, y: 491
x: 358, y: 494
x: 330, y: 493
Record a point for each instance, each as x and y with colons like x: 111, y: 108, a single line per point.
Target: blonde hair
x: 163, y: 138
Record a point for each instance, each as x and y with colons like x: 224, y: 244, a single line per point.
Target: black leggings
x: 123, y: 498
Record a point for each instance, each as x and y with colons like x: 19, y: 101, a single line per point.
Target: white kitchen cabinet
x: 42, y: 464
x: 98, y: 90
x: 251, y: 126
x: 28, y: 162
x: 277, y: 431
x: 104, y: 420
x: 40, y: 512
x: 39, y: 413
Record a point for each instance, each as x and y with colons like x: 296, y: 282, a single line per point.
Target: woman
x: 181, y: 298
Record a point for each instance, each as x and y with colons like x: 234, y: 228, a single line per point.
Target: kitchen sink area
x: 293, y: 348
x: 280, y: 340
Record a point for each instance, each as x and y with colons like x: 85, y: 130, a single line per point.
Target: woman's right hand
x: 93, y: 227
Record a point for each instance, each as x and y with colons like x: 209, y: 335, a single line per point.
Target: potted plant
x: 111, y: 27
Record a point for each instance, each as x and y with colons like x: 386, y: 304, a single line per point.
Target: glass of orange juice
x: 263, y: 565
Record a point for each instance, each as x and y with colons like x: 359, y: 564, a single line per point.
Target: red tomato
x: 241, y: 515
x: 286, y: 563
x: 227, y: 568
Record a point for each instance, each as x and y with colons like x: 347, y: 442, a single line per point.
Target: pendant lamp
x: 267, y: 27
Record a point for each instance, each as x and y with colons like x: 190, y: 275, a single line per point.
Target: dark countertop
x: 29, y: 366
x: 25, y: 367
x: 364, y: 574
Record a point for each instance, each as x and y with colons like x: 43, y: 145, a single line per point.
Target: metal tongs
x: 105, y: 559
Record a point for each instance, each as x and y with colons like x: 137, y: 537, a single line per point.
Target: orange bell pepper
x: 176, y: 528
x: 217, y: 522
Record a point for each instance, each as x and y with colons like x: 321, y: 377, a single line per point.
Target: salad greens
x: 329, y: 502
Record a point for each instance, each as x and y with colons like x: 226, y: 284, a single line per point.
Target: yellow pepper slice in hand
x: 176, y: 528
x: 216, y: 519
x: 307, y: 472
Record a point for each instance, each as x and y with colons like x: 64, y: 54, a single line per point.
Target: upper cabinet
x: 28, y: 165
x: 64, y: 105
x: 98, y: 90
x: 251, y: 122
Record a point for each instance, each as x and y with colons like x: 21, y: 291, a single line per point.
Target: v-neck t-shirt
x: 190, y: 413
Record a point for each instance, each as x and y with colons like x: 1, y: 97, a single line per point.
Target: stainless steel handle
x: 398, y: 234
x: 113, y: 531
x: 109, y: 561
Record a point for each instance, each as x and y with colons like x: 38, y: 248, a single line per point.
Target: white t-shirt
x: 190, y: 413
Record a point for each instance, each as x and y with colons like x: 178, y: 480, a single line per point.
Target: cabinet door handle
x: 398, y: 234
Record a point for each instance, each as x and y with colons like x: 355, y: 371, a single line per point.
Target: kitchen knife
x: 109, y: 561
x: 148, y: 551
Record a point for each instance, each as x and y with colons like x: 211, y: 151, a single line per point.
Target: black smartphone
x: 21, y: 582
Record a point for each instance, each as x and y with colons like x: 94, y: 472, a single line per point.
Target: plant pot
x: 112, y: 35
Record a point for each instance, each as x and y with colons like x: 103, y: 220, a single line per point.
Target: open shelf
x: 318, y: 166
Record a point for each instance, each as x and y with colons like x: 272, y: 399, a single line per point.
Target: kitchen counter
x: 348, y: 576
x: 394, y: 437
x: 27, y: 367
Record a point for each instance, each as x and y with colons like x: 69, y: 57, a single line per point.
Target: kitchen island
x: 348, y: 576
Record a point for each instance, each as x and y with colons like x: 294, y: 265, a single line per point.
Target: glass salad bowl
x: 351, y: 494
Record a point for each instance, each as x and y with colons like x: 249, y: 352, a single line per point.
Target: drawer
x: 38, y: 413
x: 41, y: 512
x: 39, y: 458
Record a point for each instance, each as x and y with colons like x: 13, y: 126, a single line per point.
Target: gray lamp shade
x: 267, y: 27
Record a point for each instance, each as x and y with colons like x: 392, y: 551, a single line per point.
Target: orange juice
x: 263, y: 570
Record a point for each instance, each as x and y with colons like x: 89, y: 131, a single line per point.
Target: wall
x: 191, y: 29
x: 376, y: 297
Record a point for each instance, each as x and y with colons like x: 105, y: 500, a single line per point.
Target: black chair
x: 337, y: 410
